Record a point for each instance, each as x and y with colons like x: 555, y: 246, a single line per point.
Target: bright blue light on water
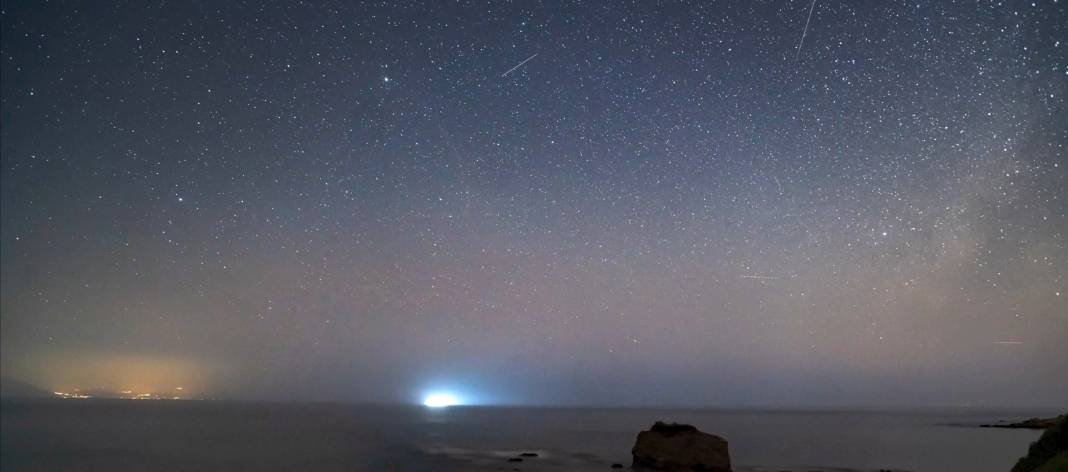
x: 440, y: 400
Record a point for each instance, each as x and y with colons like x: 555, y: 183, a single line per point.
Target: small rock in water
x: 529, y: 454
x: 514, y: 459
x: 617, y: 466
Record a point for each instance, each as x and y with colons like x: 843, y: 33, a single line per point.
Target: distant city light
x: 68, y: 395
x: 439, y: 400
x: 121, y: 394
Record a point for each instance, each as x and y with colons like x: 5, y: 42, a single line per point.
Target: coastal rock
x: 680, y: 447
x: 1049, y: 453
x: 1033, y: 423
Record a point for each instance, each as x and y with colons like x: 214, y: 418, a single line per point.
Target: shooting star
x: 805, y: 32
x: 760, y: 277
x: 1013, y: 343
x: 519, y: 65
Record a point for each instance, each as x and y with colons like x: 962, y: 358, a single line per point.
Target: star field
x: 541, y: 202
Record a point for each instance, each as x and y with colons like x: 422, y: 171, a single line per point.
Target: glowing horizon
x: 441, y: 400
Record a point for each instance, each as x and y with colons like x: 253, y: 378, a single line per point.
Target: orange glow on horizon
x: 126, y: 376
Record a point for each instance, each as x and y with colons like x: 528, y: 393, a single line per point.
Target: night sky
x: 663, y: 204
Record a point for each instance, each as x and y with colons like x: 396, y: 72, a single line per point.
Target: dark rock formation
x: 617, y: 466
x: 529, y: 454
x: 680, y: 447
x: 1033, y: 423
x: 1049, y: 453
x: 514, y: 459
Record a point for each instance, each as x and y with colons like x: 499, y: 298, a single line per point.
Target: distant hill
x: 11, y: 388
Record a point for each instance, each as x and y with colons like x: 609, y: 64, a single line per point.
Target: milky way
x: 669, y: 205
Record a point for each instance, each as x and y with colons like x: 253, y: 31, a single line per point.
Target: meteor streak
x: 519, y: 65
x: 805, y: 31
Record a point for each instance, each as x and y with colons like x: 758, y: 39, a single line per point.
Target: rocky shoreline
x: 1033, y: 423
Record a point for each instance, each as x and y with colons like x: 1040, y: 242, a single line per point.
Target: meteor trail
x: 803, y: 33
x: 519, y: 65
x: 761, y: 277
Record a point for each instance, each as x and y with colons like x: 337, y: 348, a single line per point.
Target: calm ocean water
x: 194, y: 436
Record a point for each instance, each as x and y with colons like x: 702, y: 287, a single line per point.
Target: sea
x: 126, y: 435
